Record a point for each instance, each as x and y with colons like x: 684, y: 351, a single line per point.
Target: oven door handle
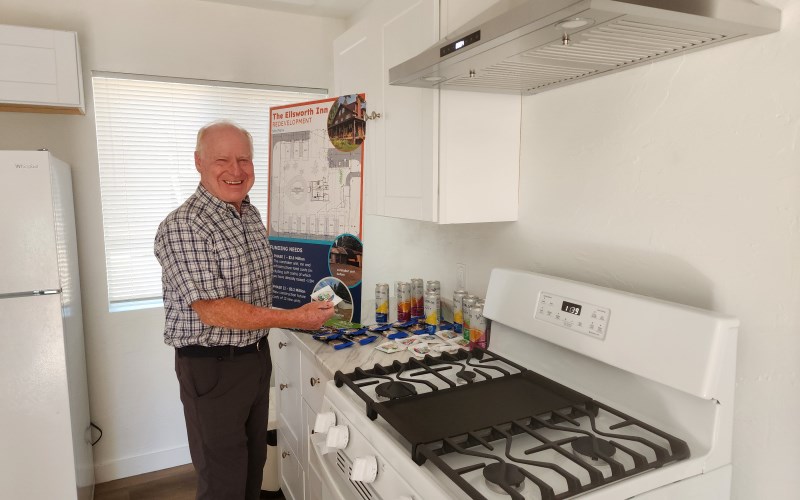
x: 328, y: 478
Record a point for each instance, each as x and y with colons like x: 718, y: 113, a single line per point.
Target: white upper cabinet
x: 440, y: 156
x: 40, y: 71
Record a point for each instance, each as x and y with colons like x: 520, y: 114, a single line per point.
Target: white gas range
x: 584, y: 391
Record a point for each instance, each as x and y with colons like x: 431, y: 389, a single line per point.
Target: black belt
x: 221, y: 351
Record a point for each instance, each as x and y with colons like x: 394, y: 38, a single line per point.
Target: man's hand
x: 311, y: 316
x: 233, y: 313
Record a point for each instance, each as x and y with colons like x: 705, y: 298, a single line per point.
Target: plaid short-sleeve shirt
x: 207, y: 251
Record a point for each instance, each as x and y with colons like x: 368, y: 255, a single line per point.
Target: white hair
x: 220, y: 123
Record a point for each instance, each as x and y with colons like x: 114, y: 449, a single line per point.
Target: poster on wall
x: 314, y: 212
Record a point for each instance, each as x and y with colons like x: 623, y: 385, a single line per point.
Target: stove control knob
x: 338, y: 437
x: 365, y: 469
x: 324, y: 421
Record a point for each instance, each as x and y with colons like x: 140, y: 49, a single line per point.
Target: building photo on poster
x: 316, y: 166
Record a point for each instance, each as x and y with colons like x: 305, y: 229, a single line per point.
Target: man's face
x: 225, y: 164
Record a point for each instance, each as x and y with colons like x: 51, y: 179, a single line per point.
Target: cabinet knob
x: 283, y: 386
x: 285, y: 454
x: 372, y: 116
x: 281, y: 345
x: 314, y: 381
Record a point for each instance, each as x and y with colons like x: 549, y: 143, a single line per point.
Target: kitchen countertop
x: 329, y: 360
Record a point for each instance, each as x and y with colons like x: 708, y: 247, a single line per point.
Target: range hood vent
x: 544, y: 44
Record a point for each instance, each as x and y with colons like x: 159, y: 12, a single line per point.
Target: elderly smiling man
x: 217, y: 285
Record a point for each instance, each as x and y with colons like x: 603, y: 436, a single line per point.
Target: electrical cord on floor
x: 98, y: 437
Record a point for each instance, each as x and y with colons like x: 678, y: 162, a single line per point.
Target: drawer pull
x: 314, y: 381
x: 285, y: 454
x: 284, y: 386
x: 281, y: 345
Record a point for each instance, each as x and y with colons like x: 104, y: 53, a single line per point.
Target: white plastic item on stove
x: 365, y: 469
x: 324, y: 421
x: 338, y: 436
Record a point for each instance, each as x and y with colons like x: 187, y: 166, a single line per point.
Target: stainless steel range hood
x: 537, y: 45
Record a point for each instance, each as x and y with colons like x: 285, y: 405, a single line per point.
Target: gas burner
x: 395, y: 390
x: 586, y: 446
x: 502, y: 473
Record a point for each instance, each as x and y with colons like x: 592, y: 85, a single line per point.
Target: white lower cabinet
x: 300, y: 384
x: 292, y: 477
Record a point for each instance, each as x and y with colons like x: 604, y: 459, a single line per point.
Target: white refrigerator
x: 45, y: 450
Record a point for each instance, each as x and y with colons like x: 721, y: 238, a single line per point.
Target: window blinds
x: 146, y: 133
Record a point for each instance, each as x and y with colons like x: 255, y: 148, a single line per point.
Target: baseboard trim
x: 142, y: 464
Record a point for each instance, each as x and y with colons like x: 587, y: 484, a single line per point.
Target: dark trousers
x: 226, y: 406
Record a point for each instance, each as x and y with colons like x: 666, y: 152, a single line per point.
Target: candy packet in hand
x: 326, y: 293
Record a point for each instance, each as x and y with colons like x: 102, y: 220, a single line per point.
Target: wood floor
x: 177, y: 483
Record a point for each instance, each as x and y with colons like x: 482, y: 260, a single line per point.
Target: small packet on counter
x: 360, y: 337
x: 408, y: 341
x: 353, y: 331
x: 326, y: 293
x: 326, y: 335
x: 448, y: 335
x: 380, y: 327
x: 393, y: 334
x: 429, y: 339
x: 461, y: 342
x: 420, y: 349
x: 416, y: 329
x: 390, y: 347
x: 403, y: 324
x: 333, y: 338
x: 339, y: 343
x: 448, y: 348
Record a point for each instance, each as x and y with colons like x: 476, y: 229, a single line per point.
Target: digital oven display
x: 571, y: 308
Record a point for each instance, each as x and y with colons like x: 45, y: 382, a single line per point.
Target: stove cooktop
x: 487, y: 422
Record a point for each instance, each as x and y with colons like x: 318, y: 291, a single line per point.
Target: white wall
x: 679, y: 180
x: 133, y: 390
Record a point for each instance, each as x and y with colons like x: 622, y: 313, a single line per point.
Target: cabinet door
x: 40, y: 67
x: 291, y: 472
x: 289, y: 418
x: 410, y: 181
x: 400, y: 158
x: 285, y: 353
x: 313, y: 483
x: 313, y: 381
x: 355, y: 71
x: 458, y: 15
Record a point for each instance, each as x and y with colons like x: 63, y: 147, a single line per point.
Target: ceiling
x: 326, y: 8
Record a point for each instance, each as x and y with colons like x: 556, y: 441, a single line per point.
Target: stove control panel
x: 572, y: 314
